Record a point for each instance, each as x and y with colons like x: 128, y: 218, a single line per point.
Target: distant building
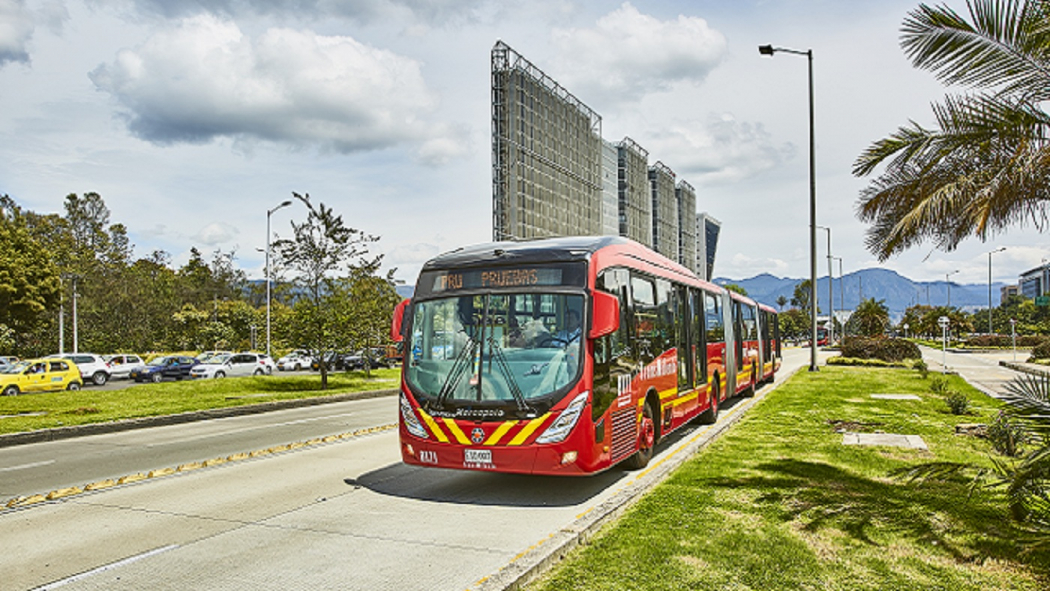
x: 1034, y: 283
x: 707, y: 230
x: 1006, y: 291
x: 554, y: 175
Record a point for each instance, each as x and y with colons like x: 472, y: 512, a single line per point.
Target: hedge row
x: 886, y: 349
x: 1005, y: 341
x: 1042, y: 350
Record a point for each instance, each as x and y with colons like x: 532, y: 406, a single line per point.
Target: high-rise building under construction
x: 554, y: 175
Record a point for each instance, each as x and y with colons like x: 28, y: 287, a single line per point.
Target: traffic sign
x: 1042, y: 300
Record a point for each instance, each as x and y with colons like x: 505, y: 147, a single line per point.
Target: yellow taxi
x: 39, y: 375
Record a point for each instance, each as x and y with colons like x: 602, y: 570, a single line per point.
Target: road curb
x: 1025, y: 368
x: 58, y: 433
x: 545, y: 554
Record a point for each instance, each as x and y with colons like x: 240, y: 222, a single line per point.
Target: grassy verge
x: 89, y: 405
x: 780, y: 503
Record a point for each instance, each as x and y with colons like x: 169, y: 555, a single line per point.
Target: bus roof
x: 569, y: 248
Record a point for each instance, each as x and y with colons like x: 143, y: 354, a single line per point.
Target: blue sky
x: 193, y: 117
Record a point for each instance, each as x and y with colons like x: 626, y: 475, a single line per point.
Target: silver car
x: 239, y: 364
x: 120, y: 365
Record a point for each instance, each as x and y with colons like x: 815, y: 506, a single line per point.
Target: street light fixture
x: 948, y: 281
x: 831, y: 291
x: 269, y: 212
x: 770, y: 50
x: 1000, y: 249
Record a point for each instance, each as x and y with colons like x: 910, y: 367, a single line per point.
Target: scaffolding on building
x: 635, y: 196
x: 665, y: 210
x: 685, y: 195
x: 546, y: 154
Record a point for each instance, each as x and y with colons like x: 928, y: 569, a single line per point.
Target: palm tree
x: 987, y: 165
x: 781, y: 301
x: 870, y: 318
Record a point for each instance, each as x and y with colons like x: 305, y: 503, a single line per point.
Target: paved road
x: 344, y: 515
x: 43, y: 467
x: 980, y: 369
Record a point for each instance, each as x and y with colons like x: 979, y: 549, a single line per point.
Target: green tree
x: 320, y: 247
x: 781, y: 302
x: 736, y: 288
x: 871, y: 318
x: 800, y: 298
x: 985, y: 167
x: 28, y: 278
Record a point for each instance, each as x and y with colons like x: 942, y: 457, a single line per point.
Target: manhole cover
x: 886, y: 439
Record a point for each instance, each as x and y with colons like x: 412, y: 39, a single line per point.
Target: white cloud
x: 719, y: 150
x: 203, y: 79
x: 629, y: 54
x: 215, y: 234
x: 16, y: 29
x: 430, y: 11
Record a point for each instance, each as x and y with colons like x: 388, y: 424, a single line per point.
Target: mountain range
x: 897, y: 291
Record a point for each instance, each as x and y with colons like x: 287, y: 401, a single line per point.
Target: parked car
x: 8, y: 359
x: 376, y: 358
x: 120, y: 365
x: 294, y: 361
x: 209, y: 356
x: 332, y: 360
x: 39, y: 375
x: 169, y: 366
x: 240, y: 364
x: 93, y: 368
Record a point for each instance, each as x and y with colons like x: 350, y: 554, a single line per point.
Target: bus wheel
x: 646, y: 440
x: 709, y: 416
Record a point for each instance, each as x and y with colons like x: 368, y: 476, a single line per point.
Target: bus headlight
x: 408, y: 416
x: 563, y: 425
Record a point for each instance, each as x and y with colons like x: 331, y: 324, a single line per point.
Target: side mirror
x: 398, y: 320
x: 606, y: 314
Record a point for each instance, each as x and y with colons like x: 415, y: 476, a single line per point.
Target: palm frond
x: 1003, y: 45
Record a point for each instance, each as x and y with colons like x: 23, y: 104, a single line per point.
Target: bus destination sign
x: 445, y: 281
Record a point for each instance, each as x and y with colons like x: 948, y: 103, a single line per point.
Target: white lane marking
x: 245, y: 429
x: 105, y: 567
x: 27, y: 466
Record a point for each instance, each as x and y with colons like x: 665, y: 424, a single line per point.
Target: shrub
x: 886, y: 349
x: 924, y: 370
x: 1006, y: 341
x: 1006, y: 435
x: 957, y: 402
x: 939, y: 384
x: 1042, y: 350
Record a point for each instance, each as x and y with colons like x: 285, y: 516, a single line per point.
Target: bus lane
x: 346, y: 515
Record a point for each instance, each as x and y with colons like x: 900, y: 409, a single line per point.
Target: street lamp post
x: 949, y: 282
x: 831, y: 292
x: 1000, y: 249
x: 269, y: 212
x: 770, y: 50
x: 943, y: 321
x: 1013, y: 336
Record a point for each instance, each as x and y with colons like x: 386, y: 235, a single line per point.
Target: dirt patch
x: 844, y: 426
x: 84, y: 410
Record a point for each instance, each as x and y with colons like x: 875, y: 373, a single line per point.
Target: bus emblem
x: 477, y: 435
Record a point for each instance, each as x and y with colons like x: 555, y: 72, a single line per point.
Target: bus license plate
x: 477, y: 456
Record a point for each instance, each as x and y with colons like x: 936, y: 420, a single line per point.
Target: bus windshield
x: 505, y: 350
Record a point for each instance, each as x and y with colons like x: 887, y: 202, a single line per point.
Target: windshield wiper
x: 459, y: 366
x: 496, y: 352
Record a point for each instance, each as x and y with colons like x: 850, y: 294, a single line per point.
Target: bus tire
x: 646, y: 439
x: 709, y: 416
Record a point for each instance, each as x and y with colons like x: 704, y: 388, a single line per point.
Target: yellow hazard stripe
x: 527, y: 430
x: 455, y: 430
x: 434, y: 428
x: 500, y: 432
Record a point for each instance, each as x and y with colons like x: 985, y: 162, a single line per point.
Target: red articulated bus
x: 567, y: 356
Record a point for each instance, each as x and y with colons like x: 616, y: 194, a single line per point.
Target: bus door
x: 732, y: 336
x: 686, y: 404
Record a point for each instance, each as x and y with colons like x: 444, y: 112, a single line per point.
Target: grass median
x: 30, y: 412
x: 779, y: 502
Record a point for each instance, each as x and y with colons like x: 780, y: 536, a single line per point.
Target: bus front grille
x: 624, y: 434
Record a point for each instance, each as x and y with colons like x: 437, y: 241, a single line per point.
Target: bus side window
x: 699, y: 340
x: 665, y: 317
x: 643, y: 296
x: 612, y: 353
x: 713, y: 319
